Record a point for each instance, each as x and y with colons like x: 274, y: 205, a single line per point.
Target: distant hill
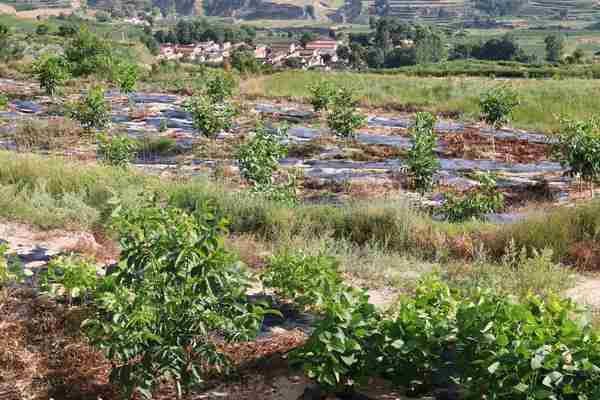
x: 435, y: 11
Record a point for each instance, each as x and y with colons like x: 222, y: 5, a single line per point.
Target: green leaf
x: 494, y: 367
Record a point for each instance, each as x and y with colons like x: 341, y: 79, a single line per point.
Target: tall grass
x: 541, y: 100
x: 52, y: 192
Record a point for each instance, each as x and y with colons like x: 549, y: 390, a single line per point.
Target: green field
x: 541, y: 100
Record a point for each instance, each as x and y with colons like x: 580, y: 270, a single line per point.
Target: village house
x: 278, y: 52
x: 205, y: 51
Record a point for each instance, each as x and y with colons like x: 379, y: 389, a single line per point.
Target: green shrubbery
x: 422, y: 161
x: 11, y: 270
x: 497, y: 106
x: 117, y: 151
x: 303, y: 280
x: 3, y: 102
x: 344, y: 118
x: 578, y: 148
x: 72, y: 276
x: 476, y: 203
x: 176, y: 295
x: 477, y: 342
x: 258, y: 160
x: 51, y: 71
x: 210, y: 117
x: 321, y: 95
x: 92, y: 111
x: 220, y: 87
x: 341, y: 352
x: 126, y: 76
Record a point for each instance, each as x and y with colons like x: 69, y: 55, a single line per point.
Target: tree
x: 87, y: 53
x: 210, y: 117
x: 174, y: 299
x: 245, y: 62
x: 126, y: 76
x: 321, y: 95
x: 555, y: 47
x: 422, y: 162
x: 578, y: 148
x: 497, y: 106
x: 375, y: 58
x: 307, y: 37
x: 51, y: 71
x: 92, y: 111
x: 259, y: 158
x: 220, y: 87
x: 343, y: 118
x: 357, y: 57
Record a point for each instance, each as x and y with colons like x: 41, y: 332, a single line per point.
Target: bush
x: 11, y: 270
x: 70, y: 276
x: 157, y: 146
x: 497, y: 106
x: 303, y: 280
x: 210, y: 117
x: 176, y: 296
x: 492, y: 346
x: 126, y: 76
x: 476, y: 203
x: 339, y: 353
x: 51, y: 71
x: 3, y: 102
x: 422, y: 162
x: 117, y: 151
x: 87, y: 53
x: 259, y: 157
x: 321, y: 95
x: 220, y: 87
x: 343, y: 118
x: 92, y: 111
x: 578, y: 148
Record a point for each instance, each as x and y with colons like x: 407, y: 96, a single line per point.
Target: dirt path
x: 35, y: 247
x: 6, y: 9
x: 586, y: 292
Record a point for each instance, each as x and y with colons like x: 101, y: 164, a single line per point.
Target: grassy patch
x: 541, y: 100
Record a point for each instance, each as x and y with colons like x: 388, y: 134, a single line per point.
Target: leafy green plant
x: 497, y: 105
x: 175, y: 298
x: 343, y: 118
x: 493, y: 346
x: 259, y: 157
x: 117, y: 151
x: 220, y: 87
x: 283, y: 193
x: 302, y: 279
x: 340, y: 352
x: 422, y: 162
x: 210, y: 117
x: 476, y: 203
x: 92, y: 111
x: 126, y: 76
x: 51, y: 71
x: 71, y: 276
x: 578, y: 148
x: 11, y: 270
x: 321, y: 95
x: 3, y: 102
